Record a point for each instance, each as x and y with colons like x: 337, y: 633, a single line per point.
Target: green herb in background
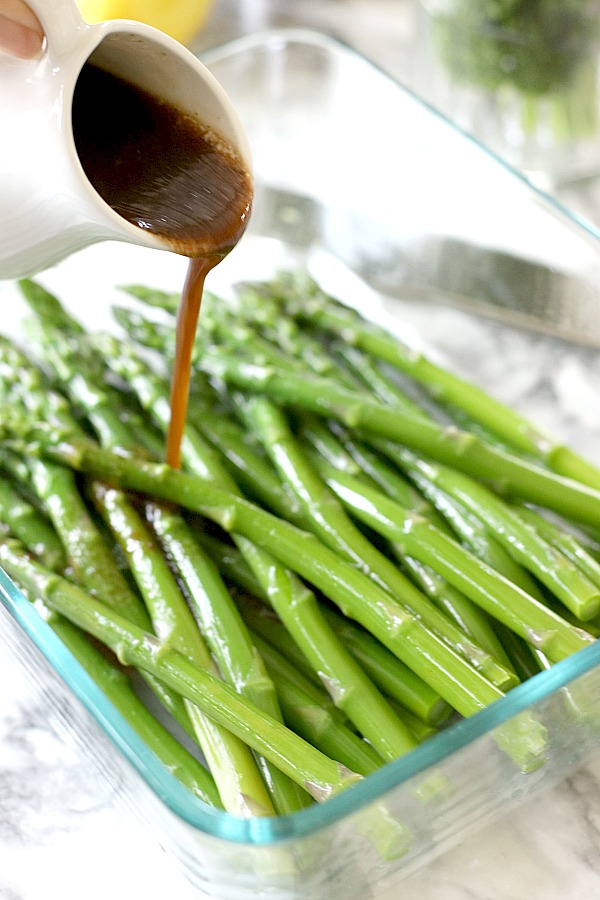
x: 544, y: 51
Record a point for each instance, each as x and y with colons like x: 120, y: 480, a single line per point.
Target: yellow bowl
x: 181, y: 19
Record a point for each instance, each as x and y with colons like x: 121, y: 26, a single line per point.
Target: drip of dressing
x: 187, y: 321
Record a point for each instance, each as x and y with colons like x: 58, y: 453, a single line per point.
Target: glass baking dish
x: 398, y: 212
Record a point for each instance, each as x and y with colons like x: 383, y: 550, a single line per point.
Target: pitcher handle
x: 62, y: 24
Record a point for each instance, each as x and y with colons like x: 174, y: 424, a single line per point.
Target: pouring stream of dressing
x: 187, y: 321
x: 163, y: 171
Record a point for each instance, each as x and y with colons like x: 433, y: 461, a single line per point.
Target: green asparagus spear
x: 296, y: 605
x: 167, y: 300
x: 473, y: 533
x: 32, y: 528
x: 240, y: 786
x: 218, y: 498
x: 330, y: 523
x: 501, y: 598
x: 524, y: 544
x: 308, y: 304
x: 116, y: 685
x: 392, y: 677
x: 235, y: 655
x: 462, y: 450
x: 346, y: 682
x: 355, y: 458
x: 564, y: 541
x: 312, y: 770
x: 259, y: 481
x: 303, y: 763
x: 230, y: 641
x: 306, y: 714
x: 464, y: 524
x: 351, y: 590
x: 251, y: 471
x: 298, y: 346
x: 47, y: 306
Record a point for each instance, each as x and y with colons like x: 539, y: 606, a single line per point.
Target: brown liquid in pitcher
x: 161, y: 170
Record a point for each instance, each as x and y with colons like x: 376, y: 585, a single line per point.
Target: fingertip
x: 19, y: 40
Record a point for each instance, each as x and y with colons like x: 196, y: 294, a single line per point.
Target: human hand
x: 21, y: 34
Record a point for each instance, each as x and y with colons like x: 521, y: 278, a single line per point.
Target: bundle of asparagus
x: 337, y: 572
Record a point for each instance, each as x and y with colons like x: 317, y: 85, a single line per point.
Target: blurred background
x: 520, y: 75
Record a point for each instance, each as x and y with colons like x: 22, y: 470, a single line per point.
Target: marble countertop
x: 63, y: 833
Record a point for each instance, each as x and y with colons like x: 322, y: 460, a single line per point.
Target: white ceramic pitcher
x: 48, y: 208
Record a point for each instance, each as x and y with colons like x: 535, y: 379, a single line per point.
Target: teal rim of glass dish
x: 259, y: 830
